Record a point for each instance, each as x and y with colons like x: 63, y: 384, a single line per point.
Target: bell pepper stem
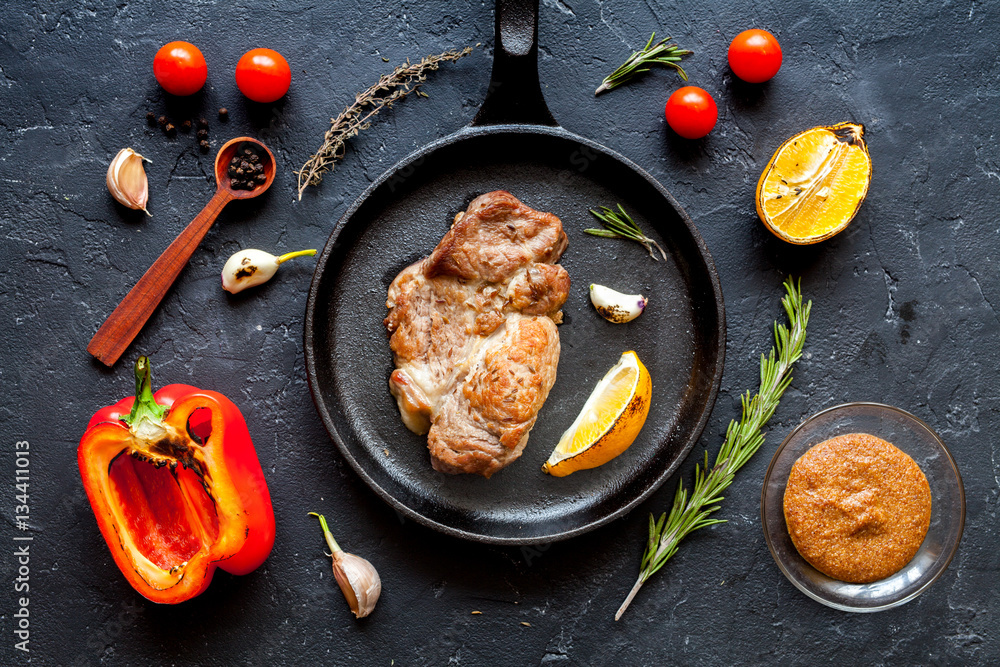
x: 145, y: 406
x: 332, y: 543
x: 292, y: 255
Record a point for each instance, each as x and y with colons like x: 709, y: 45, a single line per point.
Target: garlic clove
x: 357, y: 578
x: 248, y: 268
x: 127, y: 180
x: 615, y: 306
x: 251, y: 267
x: 358, y: 581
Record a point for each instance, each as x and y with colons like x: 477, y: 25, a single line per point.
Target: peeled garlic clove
x: 127, y: 180
x: 248, y: 268
x: 615, y: 306
x: 357, y: 578
x: 251, y: 267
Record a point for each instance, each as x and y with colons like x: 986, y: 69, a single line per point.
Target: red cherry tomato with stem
x: 691, y: 112
x: 263, y: 75
x: 180, y: 68
x: 755, y: 56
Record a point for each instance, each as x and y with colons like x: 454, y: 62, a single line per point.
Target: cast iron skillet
x: 514, y: 144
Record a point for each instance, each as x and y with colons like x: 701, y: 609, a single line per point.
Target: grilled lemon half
x: 815, y: 183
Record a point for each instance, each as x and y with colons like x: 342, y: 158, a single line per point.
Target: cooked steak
x: 473, y: 333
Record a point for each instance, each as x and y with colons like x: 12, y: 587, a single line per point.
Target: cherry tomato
x: 180, y: 68
x: 755, y: 56
x: 691, y: 112
x: 263, y: 75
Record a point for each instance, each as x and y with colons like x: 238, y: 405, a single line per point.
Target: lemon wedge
x: 609, y: 421
x: 815, y: 183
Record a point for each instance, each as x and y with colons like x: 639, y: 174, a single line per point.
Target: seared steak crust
x: 473, y: 333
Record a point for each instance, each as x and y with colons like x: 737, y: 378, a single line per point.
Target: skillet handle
x: 515, y: 94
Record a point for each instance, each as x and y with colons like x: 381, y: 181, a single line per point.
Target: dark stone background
x: 904, y: 313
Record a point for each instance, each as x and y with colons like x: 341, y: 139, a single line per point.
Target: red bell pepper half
x: 176, y: 488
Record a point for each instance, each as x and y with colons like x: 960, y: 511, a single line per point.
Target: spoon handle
x: 127, y: 320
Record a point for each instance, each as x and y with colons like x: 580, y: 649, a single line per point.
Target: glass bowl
x: 912, y: 436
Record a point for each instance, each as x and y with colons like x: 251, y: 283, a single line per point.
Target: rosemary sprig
x: 620, y: 225
x: 662, y: 53
x: 357, y: 116
x: 743, y: 439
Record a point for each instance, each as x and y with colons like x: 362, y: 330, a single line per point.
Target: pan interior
x: 677, y: 337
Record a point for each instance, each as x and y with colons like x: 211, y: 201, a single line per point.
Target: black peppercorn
x: 151, y: 118
x: 186, y: 126
x: 202, y: 124
x: 260, y: 178
x: 203, y: 146
x: 202, y: 134
x: 170, y: 130
x: 223, y: 114
x: 162, y: 120
x: 254, y: 158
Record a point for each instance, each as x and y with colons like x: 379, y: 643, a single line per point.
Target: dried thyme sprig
x: 662, y: 53
x: 743, y: 439
x: 620, y: 225
x: 356, y: 117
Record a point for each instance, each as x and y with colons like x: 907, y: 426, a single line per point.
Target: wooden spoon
x: 127, y: 320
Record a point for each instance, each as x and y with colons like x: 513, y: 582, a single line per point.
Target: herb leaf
x: 662, y: 53
x: 743, y: 439
x: 357, y: 116
x: 619, y: 224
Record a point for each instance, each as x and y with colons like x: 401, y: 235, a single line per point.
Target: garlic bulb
x: 357, y: 578
x: 615, y: 306
x: 251, y: 267
x: 127, y: 180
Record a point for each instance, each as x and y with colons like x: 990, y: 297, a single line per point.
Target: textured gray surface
x: 904, y: 314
